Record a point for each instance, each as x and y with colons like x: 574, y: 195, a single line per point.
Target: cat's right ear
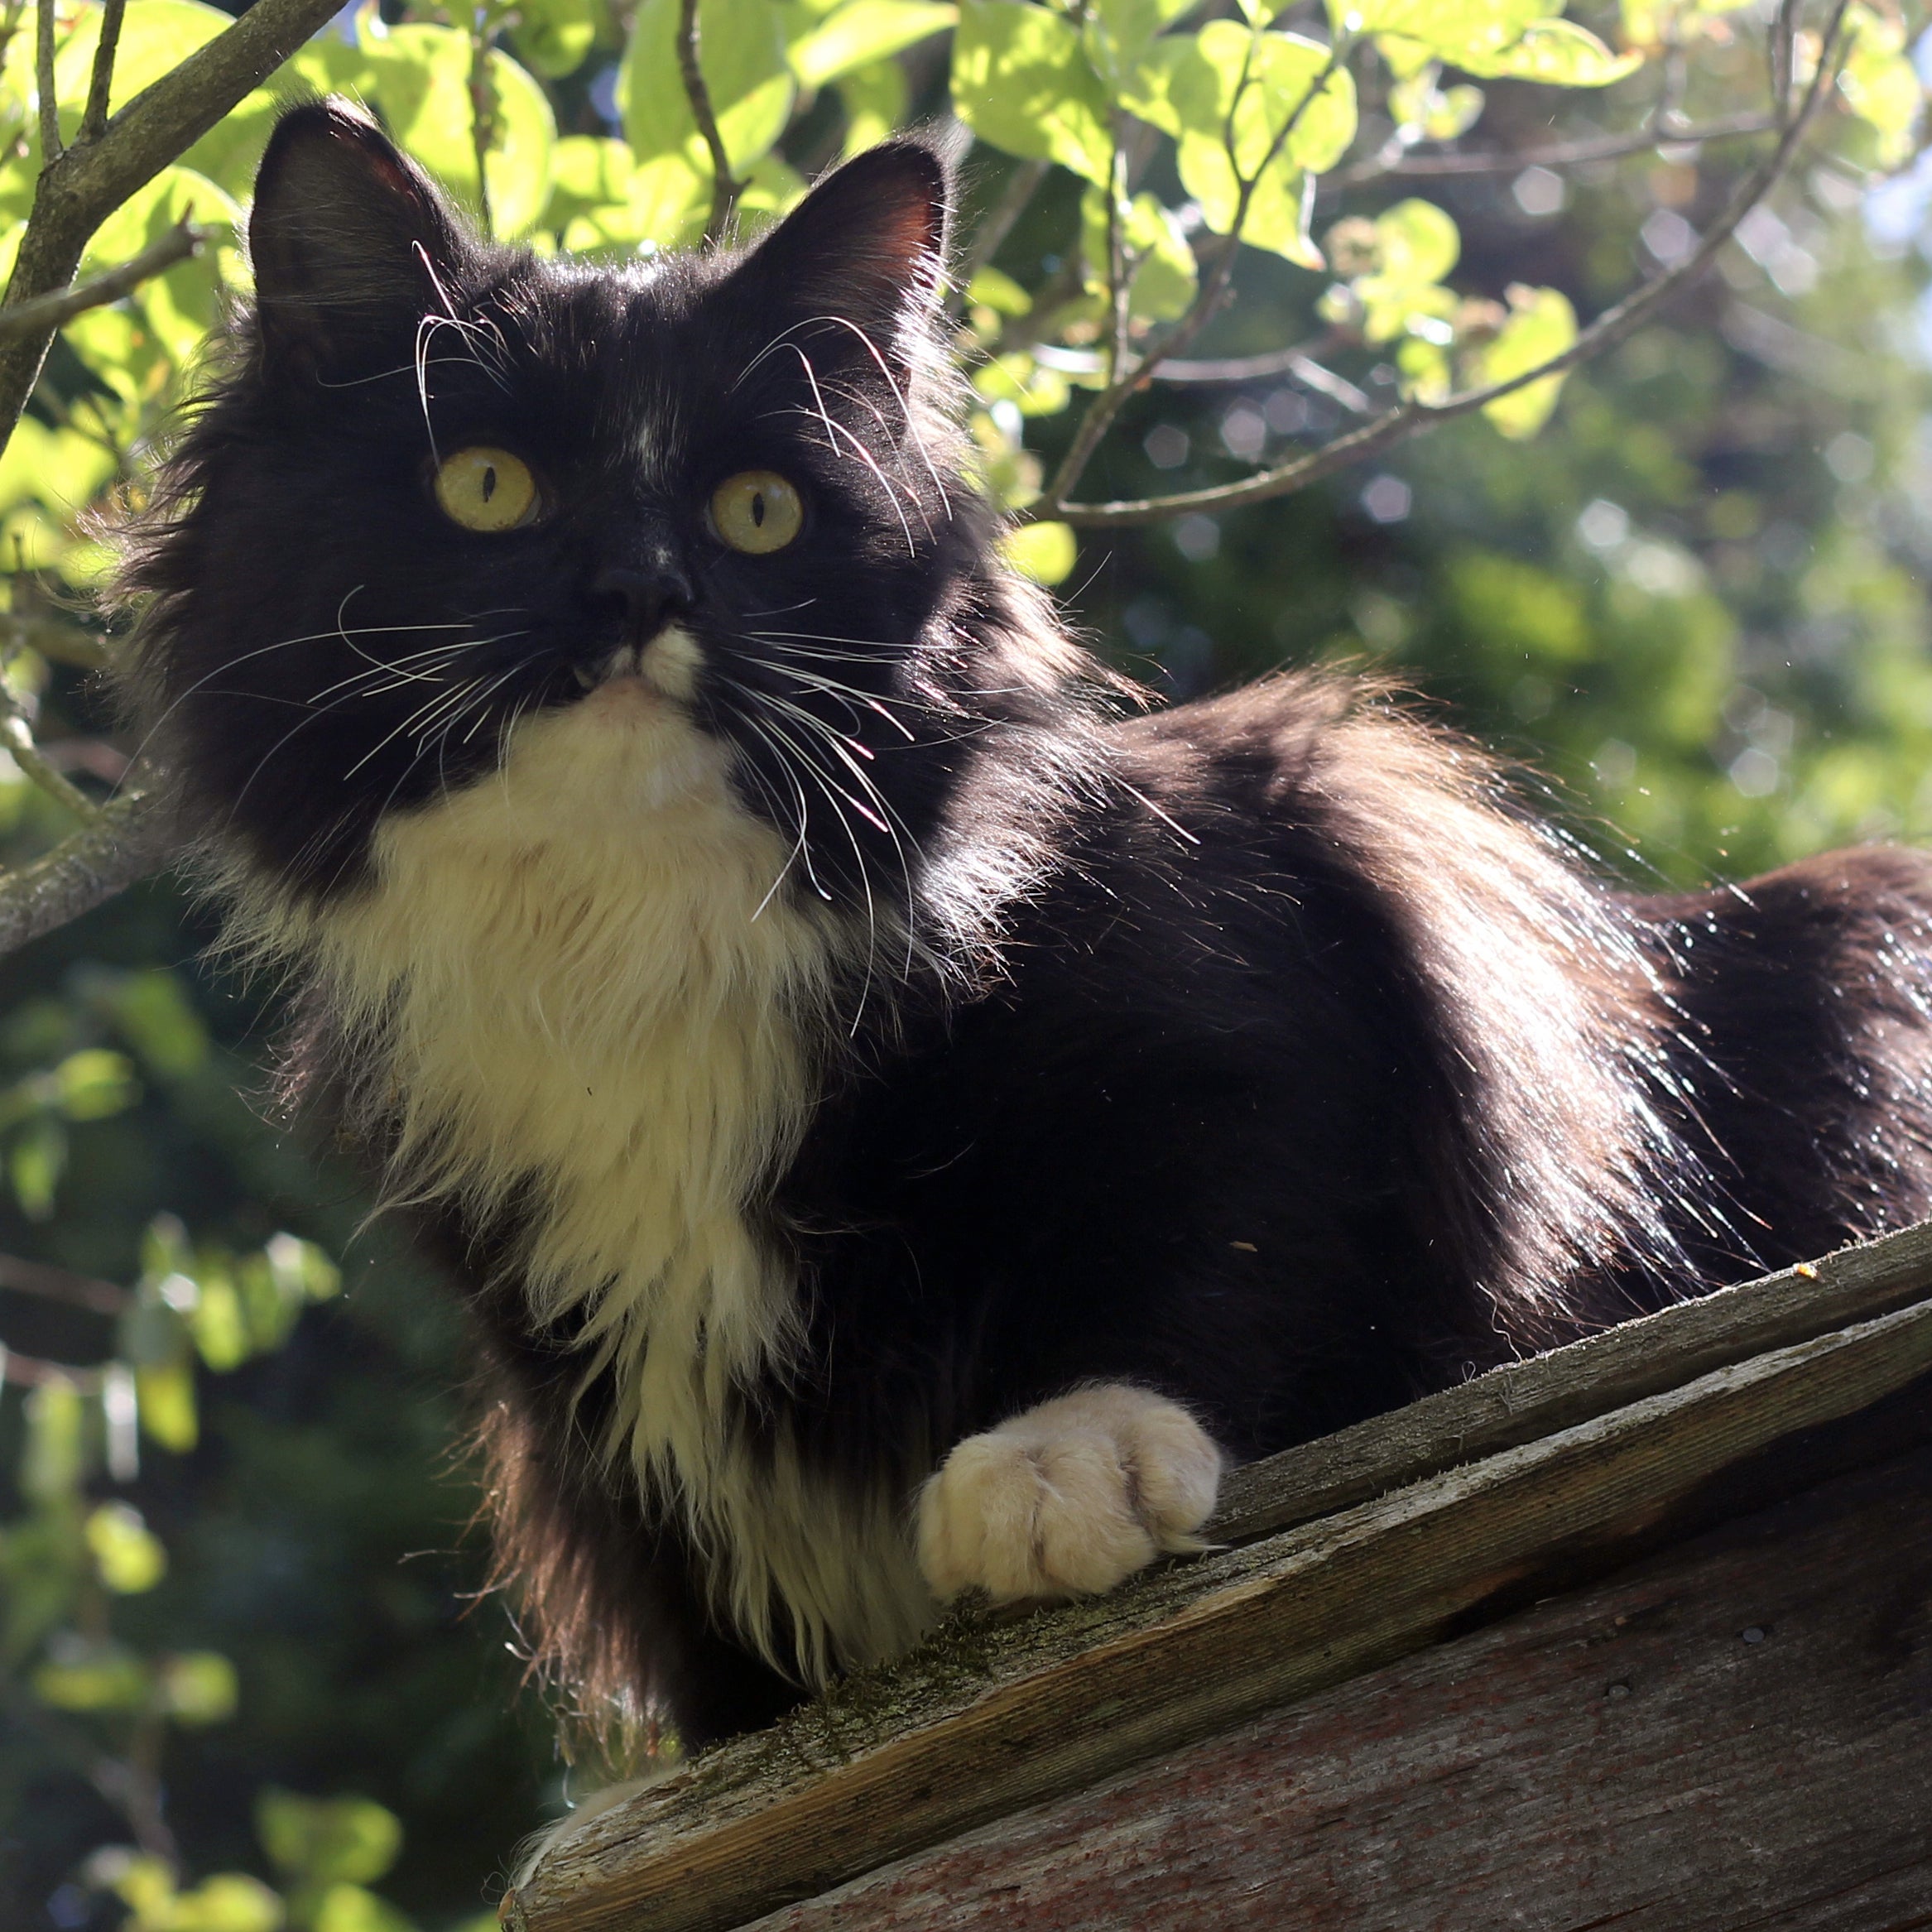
x: 352, y: 244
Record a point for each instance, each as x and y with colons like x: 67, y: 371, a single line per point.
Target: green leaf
x: 1451, y: 28
x: 741, y: 53
x: 94, y: 1679
x: 553, y: 37
x: 1200, y: 88
x: 302, y: 1268
x: 864, y: 31
x: 217, y: 1323
x: 350, y: 1908
x: 419, y: 75
x: 165, y: 1391
x: 156, y: 1017
x: 127, y: 1553
x: 1119, y: 32
x: 197, y: 1688
x: 230, y: 1901
x: 1161, y: 270
x: 1557, y: 52
x: 874, y: 101
x: 1022, y: 81
x: 671, y: 197
x: 35, y: 1163
x: 1541, y: 325
x: 1880, y: 84
x: 1045, y: 552
x: 55, y: 1458
x: 92, y: 1084
x: 156, y: 35
x: 323, y: 1841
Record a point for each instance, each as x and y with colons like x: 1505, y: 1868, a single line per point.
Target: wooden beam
x: 1731, y: 1736
x: 985, y: 1719
x: 1525, y: 1400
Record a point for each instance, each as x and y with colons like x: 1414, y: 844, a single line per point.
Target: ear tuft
x: 348, y: 239
x: 867, y: 245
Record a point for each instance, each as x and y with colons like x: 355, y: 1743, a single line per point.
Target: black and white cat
x: 904, y: 1114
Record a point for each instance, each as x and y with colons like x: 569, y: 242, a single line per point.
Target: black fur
x: 1263, y: 1052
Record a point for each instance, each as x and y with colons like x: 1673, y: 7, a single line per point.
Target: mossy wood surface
x: 1733, y: 1735
x: 1515, y: 1474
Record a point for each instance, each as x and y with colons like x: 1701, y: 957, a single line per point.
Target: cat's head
x: 448, y: 488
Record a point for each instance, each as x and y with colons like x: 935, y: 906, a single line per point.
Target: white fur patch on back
x: 578, y: 982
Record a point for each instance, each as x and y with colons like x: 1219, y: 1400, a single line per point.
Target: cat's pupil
x: 758, y: 509
x: 489, y: 485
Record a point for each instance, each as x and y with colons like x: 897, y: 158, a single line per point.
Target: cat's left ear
x: 867, y: 248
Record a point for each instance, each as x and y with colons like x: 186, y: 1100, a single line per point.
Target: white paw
x: 1068, y: 1498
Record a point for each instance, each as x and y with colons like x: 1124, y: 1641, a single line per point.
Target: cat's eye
x: 486, y: 489
x: 757, y: 511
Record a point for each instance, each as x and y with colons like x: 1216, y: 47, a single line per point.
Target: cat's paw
x: 1068, y: 1498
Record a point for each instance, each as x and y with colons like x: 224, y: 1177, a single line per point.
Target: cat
x: 905, y: 1113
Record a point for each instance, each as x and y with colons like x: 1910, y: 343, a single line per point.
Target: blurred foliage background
x: 246, y: 1676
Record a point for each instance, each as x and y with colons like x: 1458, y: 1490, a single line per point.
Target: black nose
x: 651, y: 598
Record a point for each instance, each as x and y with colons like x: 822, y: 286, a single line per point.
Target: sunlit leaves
x: 863, y: 32
x: 1558, y: 52
x: 1255, y: 116
x: 127, y: 1555
x: 741, y: 57
x: 1045, y: 552
x: 1158, y: 265
x: 1022, y: 81
x: 1881, y: 84
x: 551, y: 37
x: 1541, y: 325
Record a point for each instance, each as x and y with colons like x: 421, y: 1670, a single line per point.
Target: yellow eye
x: 757, y: 511
x: 486, y: 489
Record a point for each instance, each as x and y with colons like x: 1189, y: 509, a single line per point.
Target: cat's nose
x: 651, y: 598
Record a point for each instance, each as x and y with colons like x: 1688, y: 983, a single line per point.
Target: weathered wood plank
x: 1525, y: 1400
x: 1735, y: 1734
x: 985, y: 1721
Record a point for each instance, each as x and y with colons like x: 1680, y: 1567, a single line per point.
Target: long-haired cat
x: 904, y: 1115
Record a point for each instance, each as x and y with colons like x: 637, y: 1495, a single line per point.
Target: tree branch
x: 63, y: 1285
x: 50, y: 312
x: 1564, y: 155
x: 1411, y: 418
x: 94, y: 120
x: 1100, y: 413
x: 126, y: 842
x: 1298, y: 362
x: 725, y: 190
x: 65, y: 643
x: 80, y: 187
x: 50, y: 99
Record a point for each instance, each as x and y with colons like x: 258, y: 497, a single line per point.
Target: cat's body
x: 850, y: 1049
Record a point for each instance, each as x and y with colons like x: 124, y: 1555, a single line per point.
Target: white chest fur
x: 582, y: 991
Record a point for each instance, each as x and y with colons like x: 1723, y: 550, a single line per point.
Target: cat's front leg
x: 1068, y: 1498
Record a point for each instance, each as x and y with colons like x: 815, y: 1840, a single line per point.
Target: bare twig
x: 482, y: 112
x: 30, y: 1372
x: 65, y: 643
x: 1411, y: 418
x: 50, y: 99
x: 52, y: 1284
x: 127, y: 841
x: 1022, y: 185
x: 94, y: 120
x: 1228, y: 370
x: 1564, y: 154
x: 52, y: 312
x: 79, y: 188
x: 724, y: 189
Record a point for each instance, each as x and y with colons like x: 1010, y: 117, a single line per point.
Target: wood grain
x: 1525, y: 1400
x: 986, y: 1721
x: 1737, y: 1734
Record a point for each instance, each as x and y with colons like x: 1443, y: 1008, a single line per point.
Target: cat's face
x: 452, y: 490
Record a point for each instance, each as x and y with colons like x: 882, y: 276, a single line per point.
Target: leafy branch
x: 1100, y: 414
x: 1415, y: 416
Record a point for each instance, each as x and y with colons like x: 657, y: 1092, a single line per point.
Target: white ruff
x: 566, y: 979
